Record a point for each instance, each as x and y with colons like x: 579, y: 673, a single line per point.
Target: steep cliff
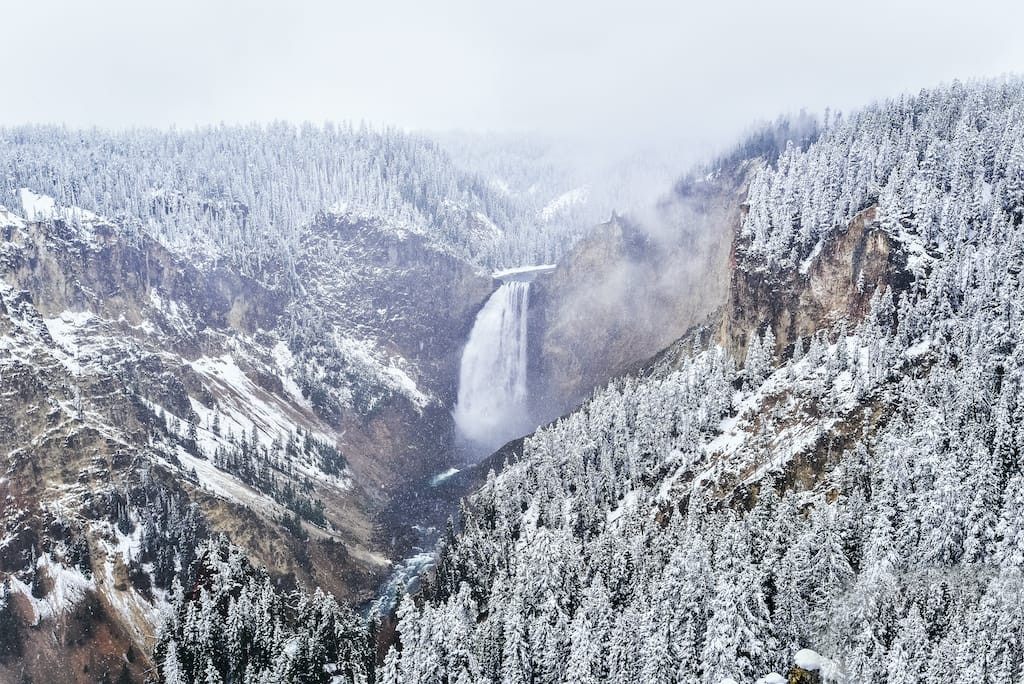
x: 633, y: 287
x: 834, y: 283
x: 147, y: 403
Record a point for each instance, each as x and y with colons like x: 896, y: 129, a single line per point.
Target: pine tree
x: 10, y: 638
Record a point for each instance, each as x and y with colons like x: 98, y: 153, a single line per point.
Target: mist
x: 605, y: 74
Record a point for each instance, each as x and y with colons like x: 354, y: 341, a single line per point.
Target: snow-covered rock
x: 807, y: 659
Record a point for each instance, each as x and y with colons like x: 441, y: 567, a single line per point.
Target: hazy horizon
x: 598, y: 72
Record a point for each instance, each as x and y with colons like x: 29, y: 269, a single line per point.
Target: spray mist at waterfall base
x: 492, y: 406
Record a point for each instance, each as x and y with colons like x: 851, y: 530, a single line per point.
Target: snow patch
x: 805, y: 265
x: 675, y: 457
x: 37, y: 207
x: 808, y: 660
x: 70, y: 586
x: 228, y: 487
x: 64, y: 331
x: 128, y: 546
x: 130, y: 606
x: 9, y: 219
x: 738, y: 447
x: 918, y: 350
x: 527, y: 273
x: 564, y: 202
x: 241, y: 400
x: 364, y: 355
x: 628, y: 504
x: 169, y: 308
x: 772, y: 678
x: 154, y: 299
x: 62, y: 328
x: 488, y: 224
x: 355, y: 213
x: 285, y: 361
x: 919, y: 261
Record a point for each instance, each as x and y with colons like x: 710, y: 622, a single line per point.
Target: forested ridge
x: 245, y: 195
x: 671, y: 530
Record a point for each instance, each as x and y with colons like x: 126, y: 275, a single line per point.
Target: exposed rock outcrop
x: 633, y: 288
x: 836, y: 282
x: 133, y: 381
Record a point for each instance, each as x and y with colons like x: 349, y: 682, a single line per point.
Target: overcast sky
x: 629, y: 70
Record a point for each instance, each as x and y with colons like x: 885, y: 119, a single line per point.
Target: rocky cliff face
x: 146, y: 403
x: 835, y: 283
x: 584, y: 335
x: 633, y: 288
x: 379, y: 324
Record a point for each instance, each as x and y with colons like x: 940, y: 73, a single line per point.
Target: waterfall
x: 491, y: 407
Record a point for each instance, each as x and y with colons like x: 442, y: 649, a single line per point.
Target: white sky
x: 617, y: 70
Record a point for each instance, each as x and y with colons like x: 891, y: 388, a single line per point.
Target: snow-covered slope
x: 147, y: 402
x: 857, y: 488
